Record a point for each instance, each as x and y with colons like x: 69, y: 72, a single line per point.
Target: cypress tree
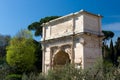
x: 118, y: 46
x: 112, y: 56
x: 117, y: 49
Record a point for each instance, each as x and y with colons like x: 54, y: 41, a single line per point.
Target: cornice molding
x: 71, y: 15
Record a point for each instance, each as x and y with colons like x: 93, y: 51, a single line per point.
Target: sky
x: 18, y: 14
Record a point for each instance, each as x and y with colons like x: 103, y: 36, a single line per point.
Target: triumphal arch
x: 75, y: 38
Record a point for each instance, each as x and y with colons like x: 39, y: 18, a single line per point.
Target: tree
x: 38, y: 53
x: 37, y: 26
x: 24, y: 34
x: 112, y: 54
x: 108, y: 35
x: 118, y: 46
x: 4, y: 41
x: 21, y: 52
x: 117, y: 49
x: 105, y: 49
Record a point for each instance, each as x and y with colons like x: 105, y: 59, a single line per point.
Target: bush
x: 4, y: 70
x: 33, y: 76
x: 68, y: 72
x: 99, y: 71
x: 13, y: 77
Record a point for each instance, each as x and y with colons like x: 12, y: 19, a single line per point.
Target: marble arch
x: 76, y: 37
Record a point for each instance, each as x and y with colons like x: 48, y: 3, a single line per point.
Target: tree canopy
x: 108, y: 35
x: 21, y: 52
x: 37, y: 26
x: 4, y: 41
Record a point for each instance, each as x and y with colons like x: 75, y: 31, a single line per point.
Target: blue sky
x: 18, y: 14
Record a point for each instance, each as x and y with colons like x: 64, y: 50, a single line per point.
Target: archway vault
x: 61, y: 58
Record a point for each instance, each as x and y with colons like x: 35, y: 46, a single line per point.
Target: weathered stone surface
x: 74, y: 38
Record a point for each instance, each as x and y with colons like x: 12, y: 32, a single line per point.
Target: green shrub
x: 33, y: 76
x: 13, y: 77
x: 99, y: 71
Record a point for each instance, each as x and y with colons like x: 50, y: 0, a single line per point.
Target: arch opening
x: 60, y: 59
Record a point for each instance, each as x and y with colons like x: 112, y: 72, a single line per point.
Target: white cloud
x: 112, y: 26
